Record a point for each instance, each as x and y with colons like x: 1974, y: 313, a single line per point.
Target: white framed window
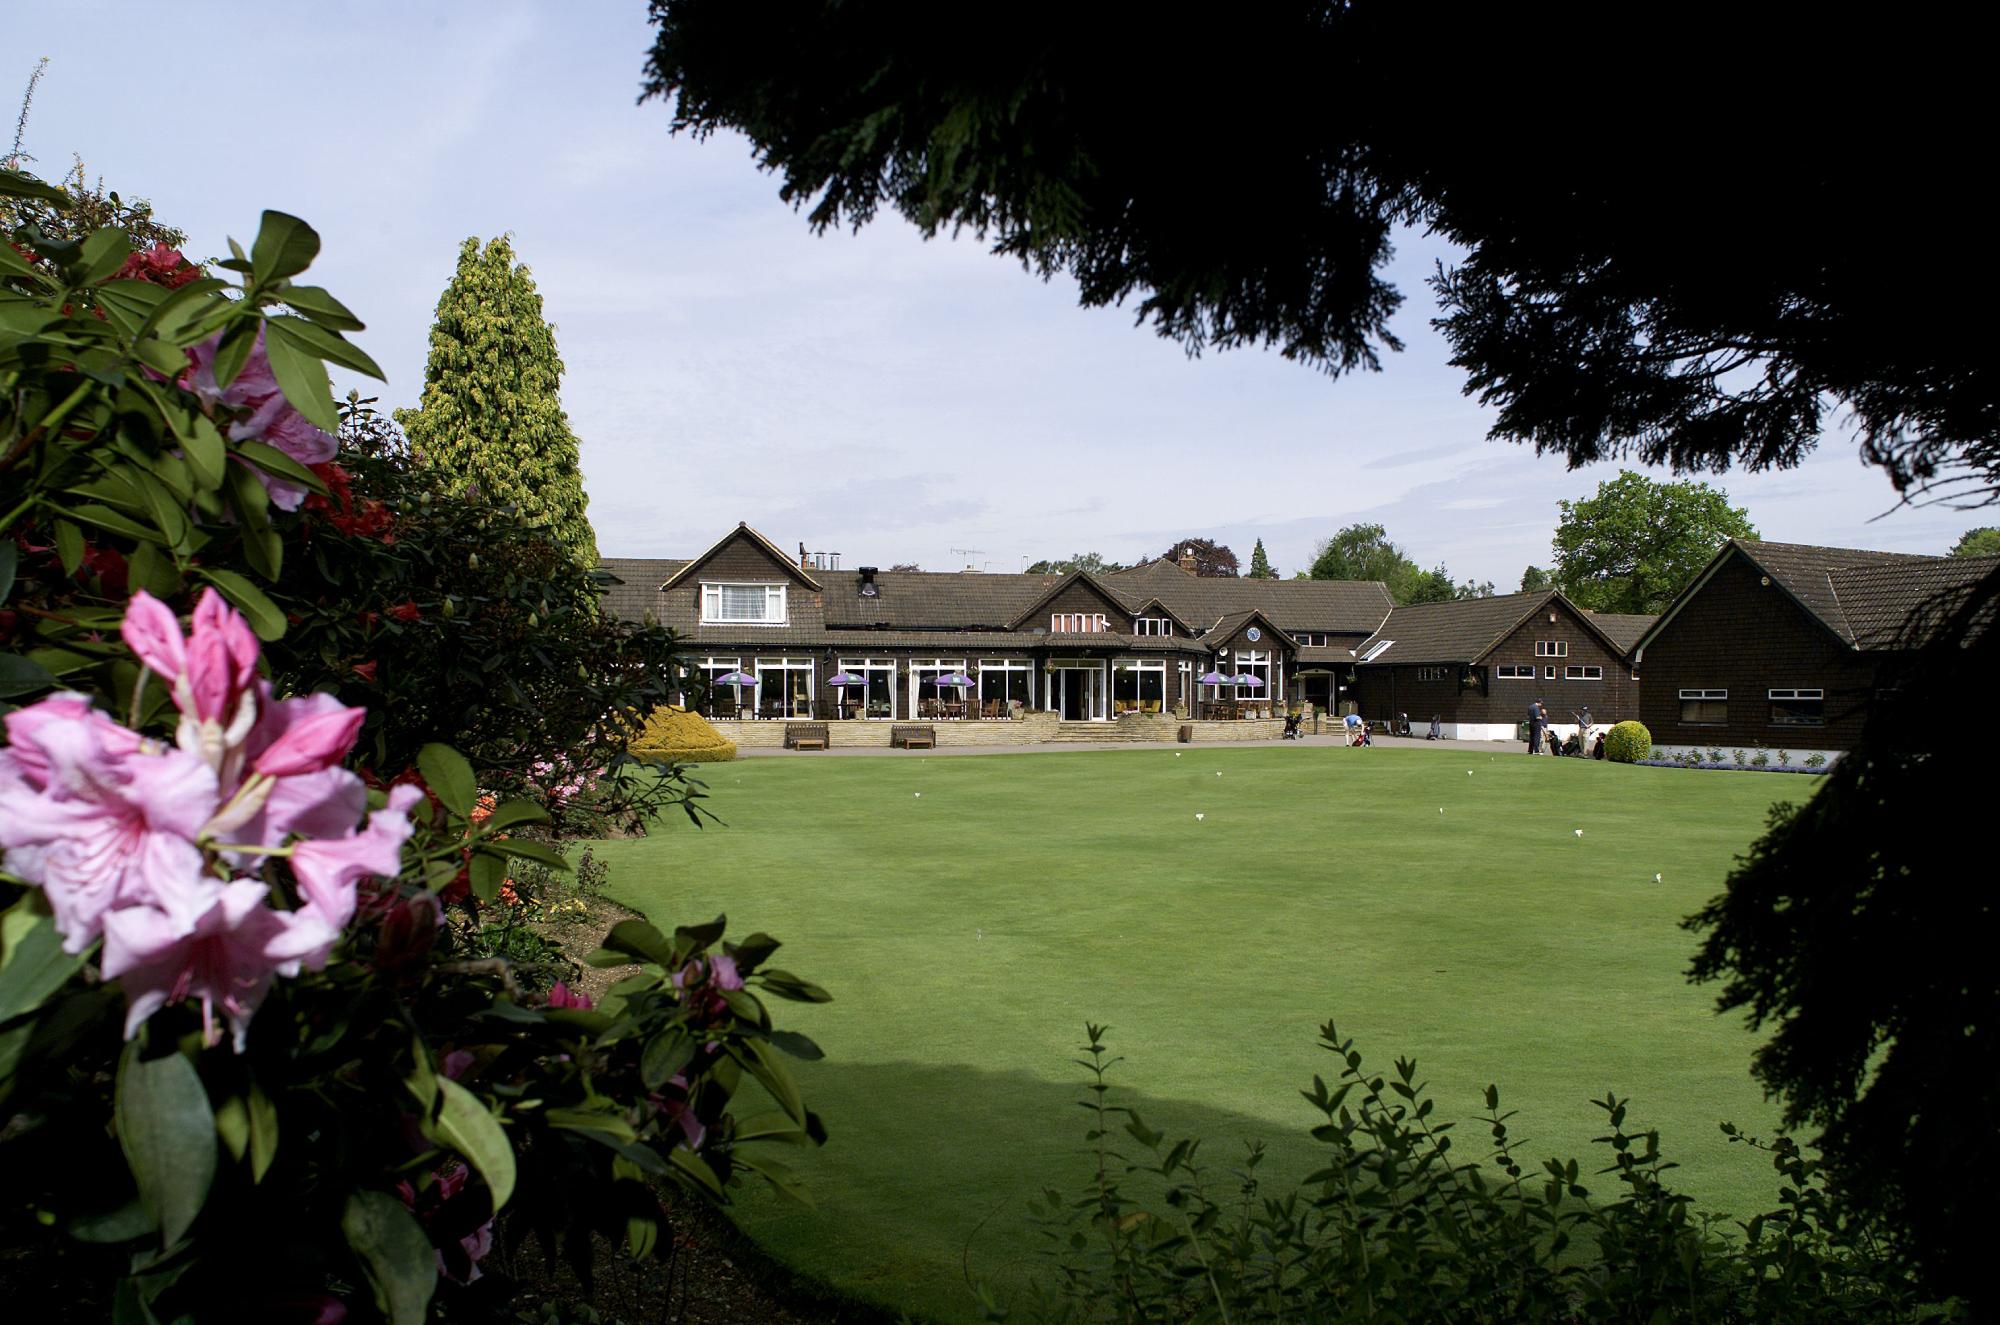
x: 1077, y: 623
x: 1549, y: 672
x: 875, y: 697
x: 1311, y: 639
x: 743, y: 604
x: 1434, y: 673
x: 1514, y: 672
x: 1588, y: 672
x: 1704, y: 708
x: 784, y: 687
x: 928, y: 699
x: 1551, y: 648
x: 1152, y: 625
x: 1138, y: 687
x: 1004, y: 682
x: 1798, y: 708
x: 1257, y: 663
x: 725, y: 700
x: 1377, y: 651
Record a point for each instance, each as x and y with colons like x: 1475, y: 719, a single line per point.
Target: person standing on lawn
x: 1537, y: 718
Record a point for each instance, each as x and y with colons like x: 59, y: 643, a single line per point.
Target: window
x: 1549, y: 672
x: 928, y: 699
x: 1377, y: 650
x: 1138, y: 687
x: 1258, y: 664
x: 1434, y: 673
x: 1587, y: 673
x: 1152, y: 625
x: 1512, y: 672
x: 1310, y: 639
x: 1551, y: 648
x: 1704, y: 708
x: 1798, y: 708
x: 1003, y: 682
x: 725, y: 700
x: 743, y: 604
x: 1077, y: 623
x: 875, y: 696
x: 784, y: 687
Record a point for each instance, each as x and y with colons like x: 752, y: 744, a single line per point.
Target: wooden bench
x: 909, y: 738
x: 805, y: 736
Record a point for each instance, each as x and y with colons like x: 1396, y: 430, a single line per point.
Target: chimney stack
x: 1188, y: 562
x: 805, y: 558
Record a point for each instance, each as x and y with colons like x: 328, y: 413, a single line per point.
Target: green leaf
x: 696, y: 1168
x: 535, y: 851
x: 128, y: 1222
x: 449, y: 777
x: 665, y: 1054
x: 167, y: 1132
x: 321, y: 343
x: 263, y: 1132
x: 797, y: 1045
x: 641, y: 940
x: 69, y: 546
x: 396, y: 1253
x: 780, y: 1176
x: 106, y: 518
x: 33, y: 965
x: 285, y: 246
x: 206, y: 455
x: 22, y: 676
x: 10, y: 561
x: 770, y: 1070
x: 786, y: 985
x: 14, y: 265
x: 239, y: 338
x: 262, y: 614
x: 321, y: 307
x: 486, y: 872
x: 273, y: 461
x: 773, y: 1126
x: 515, y: 812
x: 15, y: 184
x: 465, y: 1124
x: 103, y: 252
x: 591, y: 1120
x: 301, y: 376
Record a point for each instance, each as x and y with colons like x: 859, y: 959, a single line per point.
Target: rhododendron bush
x: 247, y: 1072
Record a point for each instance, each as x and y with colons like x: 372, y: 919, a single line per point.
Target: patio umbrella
x: 842, y: 680
x: 1247, y: 679
x: 957, y: 680
x: 735, y: 679
x: 1217, y: 679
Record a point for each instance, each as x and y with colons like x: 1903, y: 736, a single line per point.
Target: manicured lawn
x: 969, y: 914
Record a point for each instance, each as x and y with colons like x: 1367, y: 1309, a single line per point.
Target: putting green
x: 1212, y: 907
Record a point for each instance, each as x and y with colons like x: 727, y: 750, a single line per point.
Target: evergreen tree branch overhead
x: 1677, y: 277
x: 491, y: 412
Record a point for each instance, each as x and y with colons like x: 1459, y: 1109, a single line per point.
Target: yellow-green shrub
x: 1628, y: 742
x: 681, y: 736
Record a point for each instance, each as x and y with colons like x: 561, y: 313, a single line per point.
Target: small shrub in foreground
x: 1399, y: 1225
x: 1628, y: 742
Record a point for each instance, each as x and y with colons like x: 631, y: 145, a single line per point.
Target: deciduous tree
x: 491, y: 410
x: 1978, y: 543
x: 1638, y: 542
x: 1092, y: 562
x: 1211, y: 559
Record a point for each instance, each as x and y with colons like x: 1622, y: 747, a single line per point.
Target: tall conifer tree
x: 492, y: 410
x: 1260, y: 565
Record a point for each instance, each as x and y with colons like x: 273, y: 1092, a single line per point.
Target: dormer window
x: 1077, y: 623
x: 1152, y: 625
x: 743, y: 604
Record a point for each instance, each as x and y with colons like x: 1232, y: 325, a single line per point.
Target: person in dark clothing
x: 1436, y: 731
x: 1536, y: 718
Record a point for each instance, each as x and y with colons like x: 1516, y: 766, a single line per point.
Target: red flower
x: 366, y: 671
x: 406, y: 611
x: 159, y: 265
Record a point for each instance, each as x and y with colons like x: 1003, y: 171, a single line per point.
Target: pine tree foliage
x: 1260, y: 564
x: 492, y: 411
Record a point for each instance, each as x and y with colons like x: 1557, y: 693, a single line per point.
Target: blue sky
x: 876, y: 395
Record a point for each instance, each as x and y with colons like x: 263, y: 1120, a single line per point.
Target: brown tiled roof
x: 1899, y: 603
x: 920, y: 599
x: 1291, y: 605
x: 637, y: 594
x: 1226, y: 626
x: 946, y: 642
x: 1460, y: 631
x: 1623, y: 628
x: 1806, y: 573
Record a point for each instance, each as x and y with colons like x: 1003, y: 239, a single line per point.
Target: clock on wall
x: 1253, y: 634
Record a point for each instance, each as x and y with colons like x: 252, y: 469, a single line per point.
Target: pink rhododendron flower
x: 140, y: 842
x: 272, y: 419
x: 219, y: 957
x: 95, y: 818
x: 561, y: 996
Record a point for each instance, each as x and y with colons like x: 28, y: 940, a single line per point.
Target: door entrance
x: 1079, y: 693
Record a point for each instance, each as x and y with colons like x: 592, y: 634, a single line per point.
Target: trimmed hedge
x: 1628, y: 743
x: 680, y: 736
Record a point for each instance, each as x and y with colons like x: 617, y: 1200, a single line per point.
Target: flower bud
x: 472, y: 561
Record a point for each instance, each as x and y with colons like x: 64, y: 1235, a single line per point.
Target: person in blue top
x: 1354, y: 727
x: 1537, y: 716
